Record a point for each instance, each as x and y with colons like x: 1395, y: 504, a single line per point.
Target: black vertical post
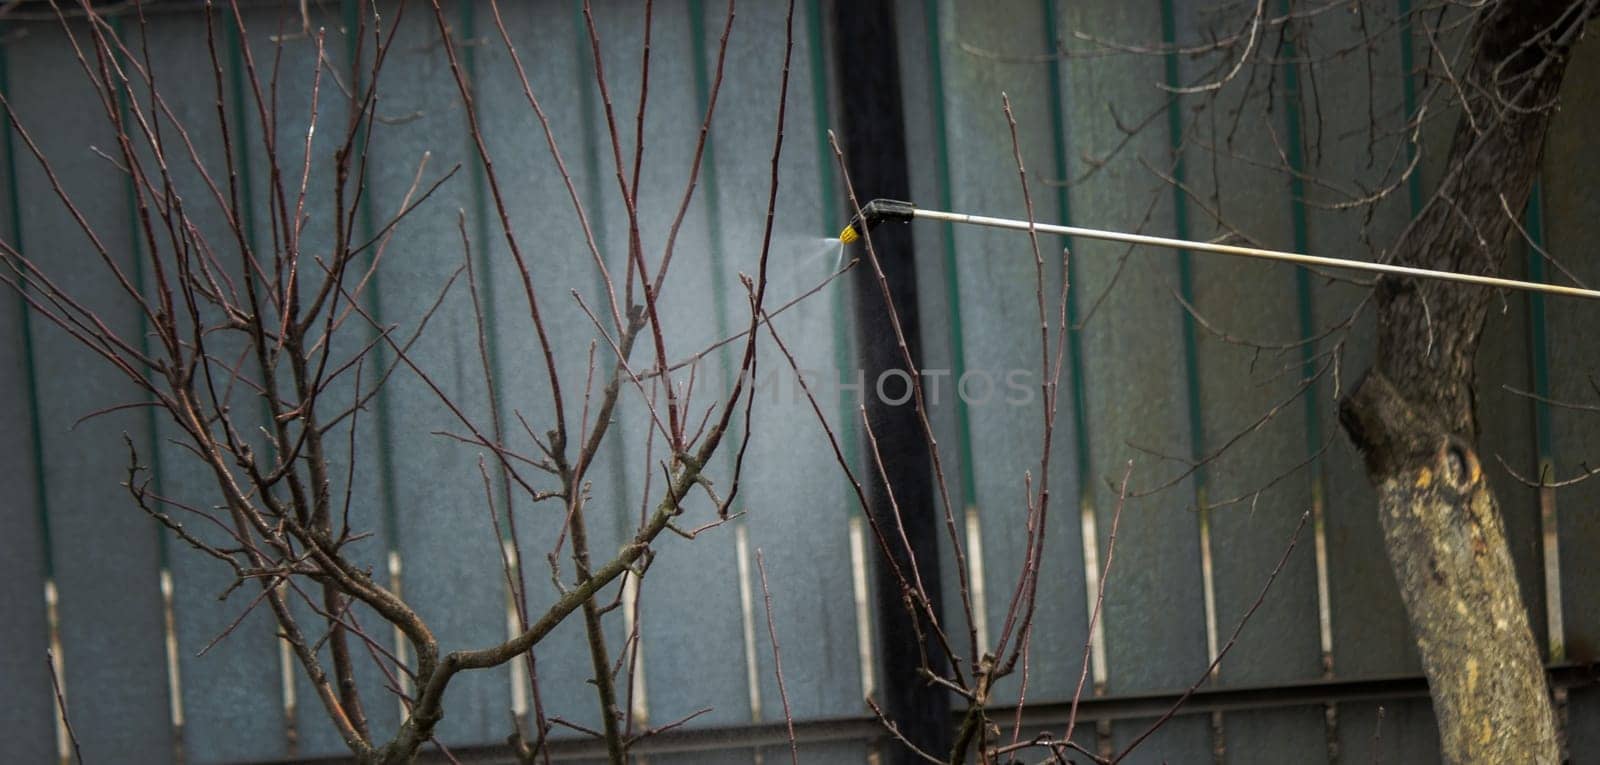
x: 873, y: 129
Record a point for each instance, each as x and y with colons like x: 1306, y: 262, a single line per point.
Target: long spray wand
x: 880, y: 210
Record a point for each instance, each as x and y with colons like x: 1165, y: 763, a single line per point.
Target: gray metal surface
x: 1294, y: 734
x: 690, y: 665
x: 314, y: 734
x: 555, y: 53
x: 1393, y: 731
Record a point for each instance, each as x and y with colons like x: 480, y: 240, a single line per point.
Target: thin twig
x: 66, y: 722
x: 1222, y: 652
x: 777, y: 659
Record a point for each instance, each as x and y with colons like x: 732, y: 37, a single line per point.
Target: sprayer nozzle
x: 875, y: 212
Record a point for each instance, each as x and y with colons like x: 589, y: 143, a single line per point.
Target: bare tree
x: 285, y: 328
x: 282, y: 325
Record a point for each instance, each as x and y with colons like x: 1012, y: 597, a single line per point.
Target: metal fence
x: 129, y: 609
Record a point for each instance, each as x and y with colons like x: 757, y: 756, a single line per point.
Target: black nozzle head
x: 875, y: 212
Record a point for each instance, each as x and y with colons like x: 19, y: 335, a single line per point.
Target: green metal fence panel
x: 276, y: 35
x: 1178, y: 739
x: 995, y: 379
x: 1570, y: 212
x: 24, y: 566
x: 1250, y: 401
x: 554, y: 49
x: 1154, y: 584
x: 795, y: 504
x: 228, y: 683
x: 1401, y: 730
x: 1367, y: 623
x: 1294, y: 734
x: 1569, y: 219
x: 689, y: 665
x: 445, y: 536
x: 110, y: 600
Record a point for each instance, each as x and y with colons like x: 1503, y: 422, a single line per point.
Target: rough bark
x: 1447, y: 546
x: 1413, y: 416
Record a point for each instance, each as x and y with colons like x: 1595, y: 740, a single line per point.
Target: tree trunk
x: 1413, y: 416
x: 1442, y: 527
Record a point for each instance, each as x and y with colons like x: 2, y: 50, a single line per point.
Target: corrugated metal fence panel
x: 1154, y: 584
x: 235, y: 684
x: 29, y: 721
x: 1128, y: 314
x: 689, y: 665
x: 614, y: 511
x: 1145, y: 387
x: 1237, y: 384
x: 1393, y: 731
x: 996, y: 280
x: 1368, y: 629
x: 115, y: 679
x: 443, y: 530
x: 1572, y: 220
x: 795, y: 503
x: 556, y: 56
x: 1257, y: 487
x: 1367, y: 622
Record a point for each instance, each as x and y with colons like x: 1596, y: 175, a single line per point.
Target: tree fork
x: 1413, y: 415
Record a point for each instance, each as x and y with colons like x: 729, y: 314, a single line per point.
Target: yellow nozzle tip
x: 848, y: 235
